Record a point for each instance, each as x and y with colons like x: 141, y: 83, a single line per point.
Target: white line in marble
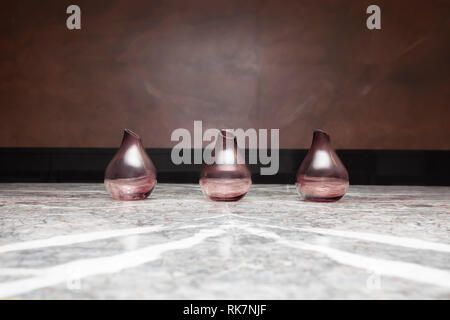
x: 391, y: 240
x: 19, y: 272
x: 121, y: 206
x: 89, y: 267
x: 247, y: 217
x: 82, y: 237
x: 227, y: 215
x: 211, y: 217
x: 405, y: 270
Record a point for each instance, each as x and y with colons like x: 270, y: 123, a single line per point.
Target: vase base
x: 130, y: 189
x: 234, y: 198
x: 224, y: 189
x: 321, y: 189
x: 133, y: 197
x: 322, y: 199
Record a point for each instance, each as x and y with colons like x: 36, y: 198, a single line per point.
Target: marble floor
x: 71, y: 241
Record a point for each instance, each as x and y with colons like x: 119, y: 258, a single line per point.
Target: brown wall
x: 154, y: 66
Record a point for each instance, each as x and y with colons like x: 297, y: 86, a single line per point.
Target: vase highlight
x: 322, y: 176
x: 130, y: 175
x: 228, y: 178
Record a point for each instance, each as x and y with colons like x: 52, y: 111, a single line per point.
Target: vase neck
x: 129, y: 137
x: 227, y: 140
x: 320, y: 138
x: 226, y: 149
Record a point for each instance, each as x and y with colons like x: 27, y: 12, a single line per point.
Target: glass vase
x: 322, y: 176
x: 131, y: 174
x: 228, y: 178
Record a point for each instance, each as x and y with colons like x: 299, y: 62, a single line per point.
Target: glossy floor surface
x: 68, y: 241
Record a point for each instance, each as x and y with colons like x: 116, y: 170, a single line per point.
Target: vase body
x: 322, y: 176
x: 131, y: 174
x: 228, y: 178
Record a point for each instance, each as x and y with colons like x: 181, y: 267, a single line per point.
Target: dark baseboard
x: 370, y: 167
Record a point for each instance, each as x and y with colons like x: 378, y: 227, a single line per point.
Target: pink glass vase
x: 228, y: 178
x: 322, y: 176
x: 131, y: 174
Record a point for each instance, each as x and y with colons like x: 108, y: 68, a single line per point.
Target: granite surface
x: 68, y: 241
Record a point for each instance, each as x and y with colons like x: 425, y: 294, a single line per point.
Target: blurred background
x: 157, y: 65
